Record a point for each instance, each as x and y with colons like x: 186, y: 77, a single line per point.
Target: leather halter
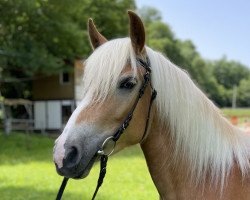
x: 105, y: 150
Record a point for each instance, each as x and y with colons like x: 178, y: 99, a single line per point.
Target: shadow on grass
x: 30, y: 193
x: 23, y: 193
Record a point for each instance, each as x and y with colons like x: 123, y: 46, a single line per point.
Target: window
x: 64, y: 78
x: 66, y: 113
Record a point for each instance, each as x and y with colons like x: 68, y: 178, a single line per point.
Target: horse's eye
x: 128, y: 84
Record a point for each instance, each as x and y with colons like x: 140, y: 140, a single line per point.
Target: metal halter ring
x: 108, y: 147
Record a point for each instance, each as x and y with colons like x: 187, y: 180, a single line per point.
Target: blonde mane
x: 200, y: 133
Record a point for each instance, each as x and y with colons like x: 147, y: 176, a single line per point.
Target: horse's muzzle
x: 76, y: 163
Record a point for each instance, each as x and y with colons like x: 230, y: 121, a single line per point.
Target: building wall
x: 51, y: 88
x: 52, y: 114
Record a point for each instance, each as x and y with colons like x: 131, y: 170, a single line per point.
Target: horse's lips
x: 85, y: 172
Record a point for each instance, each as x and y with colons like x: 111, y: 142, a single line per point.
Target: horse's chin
x: 83, y: 175
x: 85, y: 172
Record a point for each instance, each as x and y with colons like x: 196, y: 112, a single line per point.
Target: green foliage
x: 28, y: 172
x: 161, y: 38
x: 244, y: 92
x: 230, y: 73
x: 44, y: 36
x: 110, y: 16
x: 31, y: 40
x: 236, y: 112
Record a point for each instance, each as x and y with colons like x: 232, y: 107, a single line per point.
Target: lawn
x: 27, y: 172
x: 242, y: 115
x: 244, y: 112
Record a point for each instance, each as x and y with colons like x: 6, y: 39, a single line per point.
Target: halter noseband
x: 109, y: 143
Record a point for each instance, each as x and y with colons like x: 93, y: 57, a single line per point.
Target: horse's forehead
x: 126, y: 69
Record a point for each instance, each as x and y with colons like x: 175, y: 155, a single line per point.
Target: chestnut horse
x: 191, y: 150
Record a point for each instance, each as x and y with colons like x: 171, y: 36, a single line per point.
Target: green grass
x: 237, y: 112
x: 27, y: 172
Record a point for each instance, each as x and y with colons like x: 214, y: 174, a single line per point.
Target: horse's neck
x: 157, y: 154
x: 171, y: 176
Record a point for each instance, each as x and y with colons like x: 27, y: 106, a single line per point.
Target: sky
x: 217, y: 27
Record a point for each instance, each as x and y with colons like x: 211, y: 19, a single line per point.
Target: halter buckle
x: 108, y: 147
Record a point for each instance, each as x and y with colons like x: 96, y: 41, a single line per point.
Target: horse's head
x: 112, y: 80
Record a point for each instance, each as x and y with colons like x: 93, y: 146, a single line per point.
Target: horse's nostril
x: 71, y: 158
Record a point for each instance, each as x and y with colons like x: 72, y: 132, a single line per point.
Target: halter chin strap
x: 109, y: 143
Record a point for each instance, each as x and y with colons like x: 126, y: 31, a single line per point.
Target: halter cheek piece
x: 109, y: 143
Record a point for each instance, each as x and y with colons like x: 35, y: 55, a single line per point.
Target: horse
x: 192, y: 151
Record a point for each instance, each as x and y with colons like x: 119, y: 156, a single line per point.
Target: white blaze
x: 59, y: 150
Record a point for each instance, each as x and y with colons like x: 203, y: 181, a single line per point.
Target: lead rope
x: 61, y: 190
x: 104, y: 158
x: 103, y: 165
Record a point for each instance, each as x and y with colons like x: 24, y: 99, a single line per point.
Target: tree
x: 230, y: 73
x: 159, y: 35
x: 109, y: 16
x: 244, y: 93
x: 45, y: 37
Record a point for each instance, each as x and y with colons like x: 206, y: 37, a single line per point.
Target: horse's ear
x: 96, y: 38
x: 137, y: 32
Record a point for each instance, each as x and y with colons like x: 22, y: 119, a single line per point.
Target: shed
x: 55, y: 97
